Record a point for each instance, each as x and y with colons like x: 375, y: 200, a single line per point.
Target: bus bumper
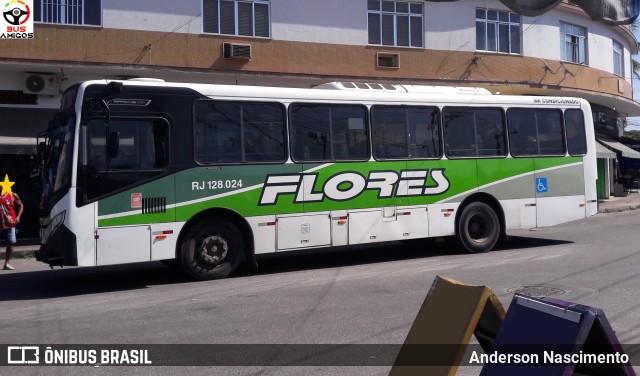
x: 60, y: 250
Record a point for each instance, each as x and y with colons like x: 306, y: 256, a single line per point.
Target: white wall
x: 13, y: 79
x: 327, y: 21
x: 153, y: 15
x: 452, y: 26
x: 542, y: 39
x: 448, y: 25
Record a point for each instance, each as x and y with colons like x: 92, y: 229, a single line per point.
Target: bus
x: 207, y: 176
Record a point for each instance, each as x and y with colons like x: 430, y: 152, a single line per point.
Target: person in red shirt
x: 8, y: 204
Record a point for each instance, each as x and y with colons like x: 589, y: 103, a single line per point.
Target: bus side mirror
x: 113, y: 144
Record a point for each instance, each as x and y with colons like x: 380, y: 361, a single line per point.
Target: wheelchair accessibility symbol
x: 541, y: 185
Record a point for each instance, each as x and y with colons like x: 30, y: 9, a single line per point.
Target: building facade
x: 302, y: 43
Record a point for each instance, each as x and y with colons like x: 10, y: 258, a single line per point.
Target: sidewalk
x: 619, y: 204
x: 26, y: 248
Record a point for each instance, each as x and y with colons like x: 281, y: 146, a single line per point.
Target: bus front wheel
x: 478, y: 227
x: 211, y: 249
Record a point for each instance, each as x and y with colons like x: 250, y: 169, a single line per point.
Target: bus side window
x: 424, y: 132
x: 459, y: 132
x: 410, y: 132
x: 576, y: 137
x: 322, y: 132
x: 522, y: 132
x: 550, y: 132
x: 236, y: 132
x: 490, y: 132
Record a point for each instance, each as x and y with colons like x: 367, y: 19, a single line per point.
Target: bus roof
x: 361, y: 92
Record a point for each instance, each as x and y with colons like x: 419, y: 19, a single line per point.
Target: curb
x: 620, y: 209
x: 20, y: 251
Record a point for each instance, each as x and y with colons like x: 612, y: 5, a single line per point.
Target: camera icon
x: 23, y: 355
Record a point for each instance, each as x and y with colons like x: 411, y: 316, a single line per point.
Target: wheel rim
x: 212, y: 250
x: 479, y: 227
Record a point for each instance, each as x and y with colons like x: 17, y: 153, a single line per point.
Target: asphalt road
x: 363, y: 295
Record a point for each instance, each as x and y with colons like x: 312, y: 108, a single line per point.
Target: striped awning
x: 18, y: 145
x: 603, y: 152
x: 626, y: 151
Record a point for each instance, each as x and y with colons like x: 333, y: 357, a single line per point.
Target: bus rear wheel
x: 212, y: 249
x: 478, y: 227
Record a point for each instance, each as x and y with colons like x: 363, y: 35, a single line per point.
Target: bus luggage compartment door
x: 301, y: 231
x: 121, y: 245
x: 387, y: 224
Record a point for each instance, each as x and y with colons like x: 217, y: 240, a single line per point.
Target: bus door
x: 121, y: 172
x: 559, y: 193
x: 559, y: 180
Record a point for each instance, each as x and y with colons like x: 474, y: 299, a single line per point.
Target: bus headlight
x: 52, y: 226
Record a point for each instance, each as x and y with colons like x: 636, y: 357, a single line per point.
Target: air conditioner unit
x: 41, y: 83
x: 236, y: 51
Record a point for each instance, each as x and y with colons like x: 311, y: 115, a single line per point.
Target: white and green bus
x: 211, y: 175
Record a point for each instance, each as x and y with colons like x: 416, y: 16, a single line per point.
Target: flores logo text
x: 350, y: 184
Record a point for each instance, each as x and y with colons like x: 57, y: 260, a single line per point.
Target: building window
x: 236, y: 17
x: 395, y: 23
x: 618, y: 64
x: 68, y: 12
x: 498, y: 31
x: 573, y: 43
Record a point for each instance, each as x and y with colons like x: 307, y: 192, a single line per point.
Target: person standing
x: 9, y: 202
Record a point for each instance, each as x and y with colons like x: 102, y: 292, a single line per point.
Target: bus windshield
x: 58, y: 161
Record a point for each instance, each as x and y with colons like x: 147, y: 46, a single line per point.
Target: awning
x: 18, y: 145
x: 626, y: 151
x: 603, y: 152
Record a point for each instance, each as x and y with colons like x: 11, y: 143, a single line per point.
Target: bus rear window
x: 238, y: 132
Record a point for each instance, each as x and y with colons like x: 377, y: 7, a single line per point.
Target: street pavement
x: 26, y: 248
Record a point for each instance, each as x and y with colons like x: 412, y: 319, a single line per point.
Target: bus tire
x: 211, y: 249
x: 478, y: 227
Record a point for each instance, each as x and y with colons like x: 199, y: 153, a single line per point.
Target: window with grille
x: 236, y: 17
x: 68, y: 12
x: 573, y: 43
x: 395, y: 23
x: 498, y: 31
